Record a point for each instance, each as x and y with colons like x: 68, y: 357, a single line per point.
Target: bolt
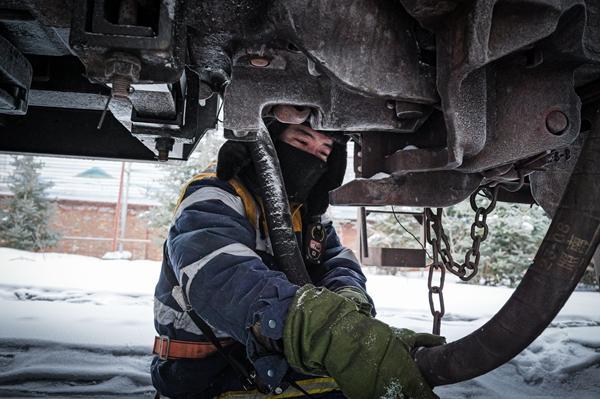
x: 557, y: 122
x: 122, y: 69
x: 164, y: 145
x: 120, y: 86
x: 278, y: 391
x: 259, y: 62
x: 390, y: 104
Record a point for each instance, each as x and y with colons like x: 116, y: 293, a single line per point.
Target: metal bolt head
x: 259, y: 62
x: 557, y: 122
x: 123, y: 65
x: 278, y: 391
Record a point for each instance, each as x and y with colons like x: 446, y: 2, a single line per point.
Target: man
x: 219, y: 266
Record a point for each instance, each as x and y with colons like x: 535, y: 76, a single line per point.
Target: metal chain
x: 442, y: 255
x: 479, y: 233
x: 434, y: 222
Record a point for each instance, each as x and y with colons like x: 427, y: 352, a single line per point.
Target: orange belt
x: 166, y: 348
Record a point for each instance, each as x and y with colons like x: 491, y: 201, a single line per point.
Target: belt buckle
x: 163, y: 347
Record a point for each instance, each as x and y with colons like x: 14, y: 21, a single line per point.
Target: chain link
x: 479, y: 233
x: 442, y: 252
x: 434, y: 223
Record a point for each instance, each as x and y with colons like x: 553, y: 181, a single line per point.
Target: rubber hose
x: 558, y: 266
x: 277, y: 209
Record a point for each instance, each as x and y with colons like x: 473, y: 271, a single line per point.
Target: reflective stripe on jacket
x: 220, y: 252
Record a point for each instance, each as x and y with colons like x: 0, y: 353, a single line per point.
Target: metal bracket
x: 437, y: 189
x: 160, y: 48
x: 15, y: 79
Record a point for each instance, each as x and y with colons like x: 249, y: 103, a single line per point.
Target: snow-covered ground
x: 74, y: 326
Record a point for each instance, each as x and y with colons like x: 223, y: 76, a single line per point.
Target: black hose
x: 277, y: 209
x: 560, y: 263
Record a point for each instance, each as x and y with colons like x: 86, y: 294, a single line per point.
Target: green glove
x: 416, y: 340
x: 325, y: 334
x: 358, y: 296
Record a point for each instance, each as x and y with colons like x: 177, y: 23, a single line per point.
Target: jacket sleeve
x: 210, y: 246
x: 339, y: 268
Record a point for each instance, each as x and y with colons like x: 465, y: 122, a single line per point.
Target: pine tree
x: 25, y: 215
x: 515, y: 234
x: 169, y: 188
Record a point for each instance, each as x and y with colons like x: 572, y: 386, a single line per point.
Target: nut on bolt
x: 557, y: 122
x: 122, y: 69
x: 163, y: 146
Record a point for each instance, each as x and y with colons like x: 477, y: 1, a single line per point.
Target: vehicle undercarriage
x: 442, y: 97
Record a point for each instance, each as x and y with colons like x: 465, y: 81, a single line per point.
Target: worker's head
x: 312, y: 162
x: 308, y: 140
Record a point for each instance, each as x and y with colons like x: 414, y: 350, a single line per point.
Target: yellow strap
x: 296, y: 218
x: 248, y: 201
x: 313, y: 386
x: 199, y: 176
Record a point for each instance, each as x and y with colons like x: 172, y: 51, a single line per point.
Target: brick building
x: 88, y: 215
x: 87, y: 228
x: 91, y: 221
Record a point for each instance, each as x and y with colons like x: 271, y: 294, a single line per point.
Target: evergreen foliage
x: 169, y: 188
x: 515, y: 233
x: 25, y: 216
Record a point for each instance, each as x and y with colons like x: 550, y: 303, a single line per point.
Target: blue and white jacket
x: 218, y: 249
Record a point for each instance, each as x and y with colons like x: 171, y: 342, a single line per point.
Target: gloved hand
x: 357, y: 296
x: 233, y: 156
x: 414, y: 340
x: 325, y: 334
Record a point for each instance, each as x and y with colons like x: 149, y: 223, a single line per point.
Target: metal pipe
x: 124, y: 206
x: 118, y: 209
x: 364, y: 239
x: 558, y: 266
x: 277, y: 208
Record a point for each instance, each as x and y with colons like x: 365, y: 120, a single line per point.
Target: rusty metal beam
x: 431, y: 190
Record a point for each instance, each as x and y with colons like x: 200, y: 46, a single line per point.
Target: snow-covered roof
x: 92, y: 180
x: 98, y: 181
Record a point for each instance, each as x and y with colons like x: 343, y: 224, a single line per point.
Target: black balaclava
x: 315, y: 176
x: 300, y: 170
x: 307, y: 179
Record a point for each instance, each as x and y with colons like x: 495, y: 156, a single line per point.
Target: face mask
x: 300, y: 170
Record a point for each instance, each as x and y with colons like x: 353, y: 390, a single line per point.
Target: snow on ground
x: 81, y: 327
